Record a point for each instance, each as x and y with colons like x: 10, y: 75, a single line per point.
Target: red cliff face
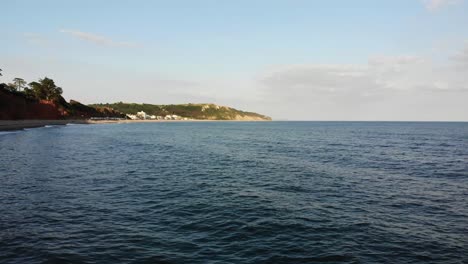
x: 14, y: 106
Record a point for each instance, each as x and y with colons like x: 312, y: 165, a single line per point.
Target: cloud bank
x: 402, y: 73
x: 386, y: 88
x: 461, y: 57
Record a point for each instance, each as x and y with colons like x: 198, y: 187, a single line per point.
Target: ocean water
x: 235, y: 192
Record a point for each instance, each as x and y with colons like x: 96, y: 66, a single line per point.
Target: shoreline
x: 12, y: 125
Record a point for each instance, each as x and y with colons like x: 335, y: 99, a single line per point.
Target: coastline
x: 11, y: 125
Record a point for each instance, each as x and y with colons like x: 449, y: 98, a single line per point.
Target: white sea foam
x: 9, y: 132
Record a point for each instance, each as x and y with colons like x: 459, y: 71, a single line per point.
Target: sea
x: 235, y: 192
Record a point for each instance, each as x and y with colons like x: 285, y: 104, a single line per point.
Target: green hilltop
x: 192, y: 111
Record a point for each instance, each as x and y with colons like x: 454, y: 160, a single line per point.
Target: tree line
x: 43, y: 89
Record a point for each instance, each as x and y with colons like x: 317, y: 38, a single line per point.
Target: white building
x: 141, y: 115
x: 132, y: 117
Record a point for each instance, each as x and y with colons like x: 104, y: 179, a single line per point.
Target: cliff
x: 193, y: 111
x: 14, y: 105
x: 17, y: 106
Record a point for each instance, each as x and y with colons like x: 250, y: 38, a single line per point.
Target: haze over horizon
x: 292, y: 60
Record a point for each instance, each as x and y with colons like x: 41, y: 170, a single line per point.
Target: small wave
x: 309, y: 259
x: 9, y: 132
x: 52, y: 126
x: 292, y: 188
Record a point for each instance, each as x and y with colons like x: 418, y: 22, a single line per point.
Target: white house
x: 132, y: 117
x: 141, y: 115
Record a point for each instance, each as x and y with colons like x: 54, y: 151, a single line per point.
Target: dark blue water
x: 233, y: 192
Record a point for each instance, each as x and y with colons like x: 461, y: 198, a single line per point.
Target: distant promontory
x: 43, y: 99
x: 189, y: 111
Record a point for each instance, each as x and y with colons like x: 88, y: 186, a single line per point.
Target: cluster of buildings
x: 144, y: 116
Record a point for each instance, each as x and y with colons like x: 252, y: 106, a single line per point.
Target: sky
x: 390, y: 60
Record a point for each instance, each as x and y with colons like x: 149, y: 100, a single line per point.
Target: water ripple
x: 274, y: 192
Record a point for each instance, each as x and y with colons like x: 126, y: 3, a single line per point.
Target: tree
x: 10, y: 87
x: 44, y: 89
x: 1, y: 72
x: 19, y: 84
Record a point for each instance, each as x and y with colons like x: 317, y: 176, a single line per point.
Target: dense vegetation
x: 43, y: 89
x: 194, y: 111
x: 18, y: 96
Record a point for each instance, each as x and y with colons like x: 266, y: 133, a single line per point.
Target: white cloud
x: 97, y: 39
x: 395, y: 60
x: 386, y: 88
x: 433, y: 5
x: 461, y: 57
x: 382, y: 72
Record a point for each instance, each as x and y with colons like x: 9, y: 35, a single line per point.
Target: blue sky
x: 317, y: 60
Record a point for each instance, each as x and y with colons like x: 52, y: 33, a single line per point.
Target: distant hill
x: 194, y: 111
x: 43, y: 99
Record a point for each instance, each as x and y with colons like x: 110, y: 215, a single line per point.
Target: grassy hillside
x: 194, y: 111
